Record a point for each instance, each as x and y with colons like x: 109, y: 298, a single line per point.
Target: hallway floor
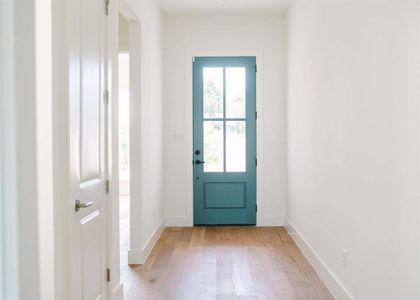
x: 223, y: 263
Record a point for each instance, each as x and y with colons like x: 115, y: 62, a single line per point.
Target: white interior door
x: 88, y: 255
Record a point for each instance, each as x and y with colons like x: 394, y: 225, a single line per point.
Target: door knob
x: 78, y: 205
x: 197, y: 162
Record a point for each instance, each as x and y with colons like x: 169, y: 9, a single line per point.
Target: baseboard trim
x: 177, y: 221
x: 118, y: 292
x: 139, y: 256
x: 270, y: 220
x: 335, y: 286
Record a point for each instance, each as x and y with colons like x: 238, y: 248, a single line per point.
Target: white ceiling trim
x: 200, y: 7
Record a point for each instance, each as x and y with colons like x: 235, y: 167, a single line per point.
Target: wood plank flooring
x: 223, y: 263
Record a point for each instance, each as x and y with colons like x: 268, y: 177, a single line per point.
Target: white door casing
x: 88, y: 234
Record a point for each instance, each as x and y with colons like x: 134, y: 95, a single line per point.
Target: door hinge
x: 193, y: 58
x: 107, y: 186
x: 106, y: 7
x: 255, y: 68
x: 256, y: 208
x: 256, y: 161
x: 108, y: 275
x: 106, y: 97
x: 256, y: 115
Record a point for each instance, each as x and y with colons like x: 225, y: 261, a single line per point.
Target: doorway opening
x: 124, y: 139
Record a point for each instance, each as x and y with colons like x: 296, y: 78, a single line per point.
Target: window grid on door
x: 224, y: 151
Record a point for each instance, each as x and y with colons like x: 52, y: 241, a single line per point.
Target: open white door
x: 88, y: 256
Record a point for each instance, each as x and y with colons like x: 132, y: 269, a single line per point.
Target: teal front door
x: 224, y: 147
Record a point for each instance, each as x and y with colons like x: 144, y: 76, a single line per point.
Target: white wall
x: 123, y: 38
x: 9, y: 245
x: 61, y: 148
x: 262, y: 36
x: 26, y: 167
x: 354, y: 143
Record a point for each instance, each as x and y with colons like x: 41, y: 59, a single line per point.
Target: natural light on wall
x: 124, y: 121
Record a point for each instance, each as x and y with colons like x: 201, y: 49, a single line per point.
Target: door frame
x: 135, y: 63
x: 123, y: 7
x: 189, y: 123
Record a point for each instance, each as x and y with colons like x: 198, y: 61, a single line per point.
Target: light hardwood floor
x: 223, y: 263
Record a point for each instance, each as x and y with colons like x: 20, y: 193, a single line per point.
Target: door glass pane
x: 235, y: 146
x: 213, y: 92
x: 213, y: 146
x: 235, y: 92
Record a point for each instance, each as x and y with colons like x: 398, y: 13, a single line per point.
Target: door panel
x: 224, y: 154
x: 90, y: 89
x: 224, y: 194
x: 91, y: 255
x: 87, y: 151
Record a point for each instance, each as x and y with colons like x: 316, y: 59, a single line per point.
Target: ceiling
x: 187, y: 7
